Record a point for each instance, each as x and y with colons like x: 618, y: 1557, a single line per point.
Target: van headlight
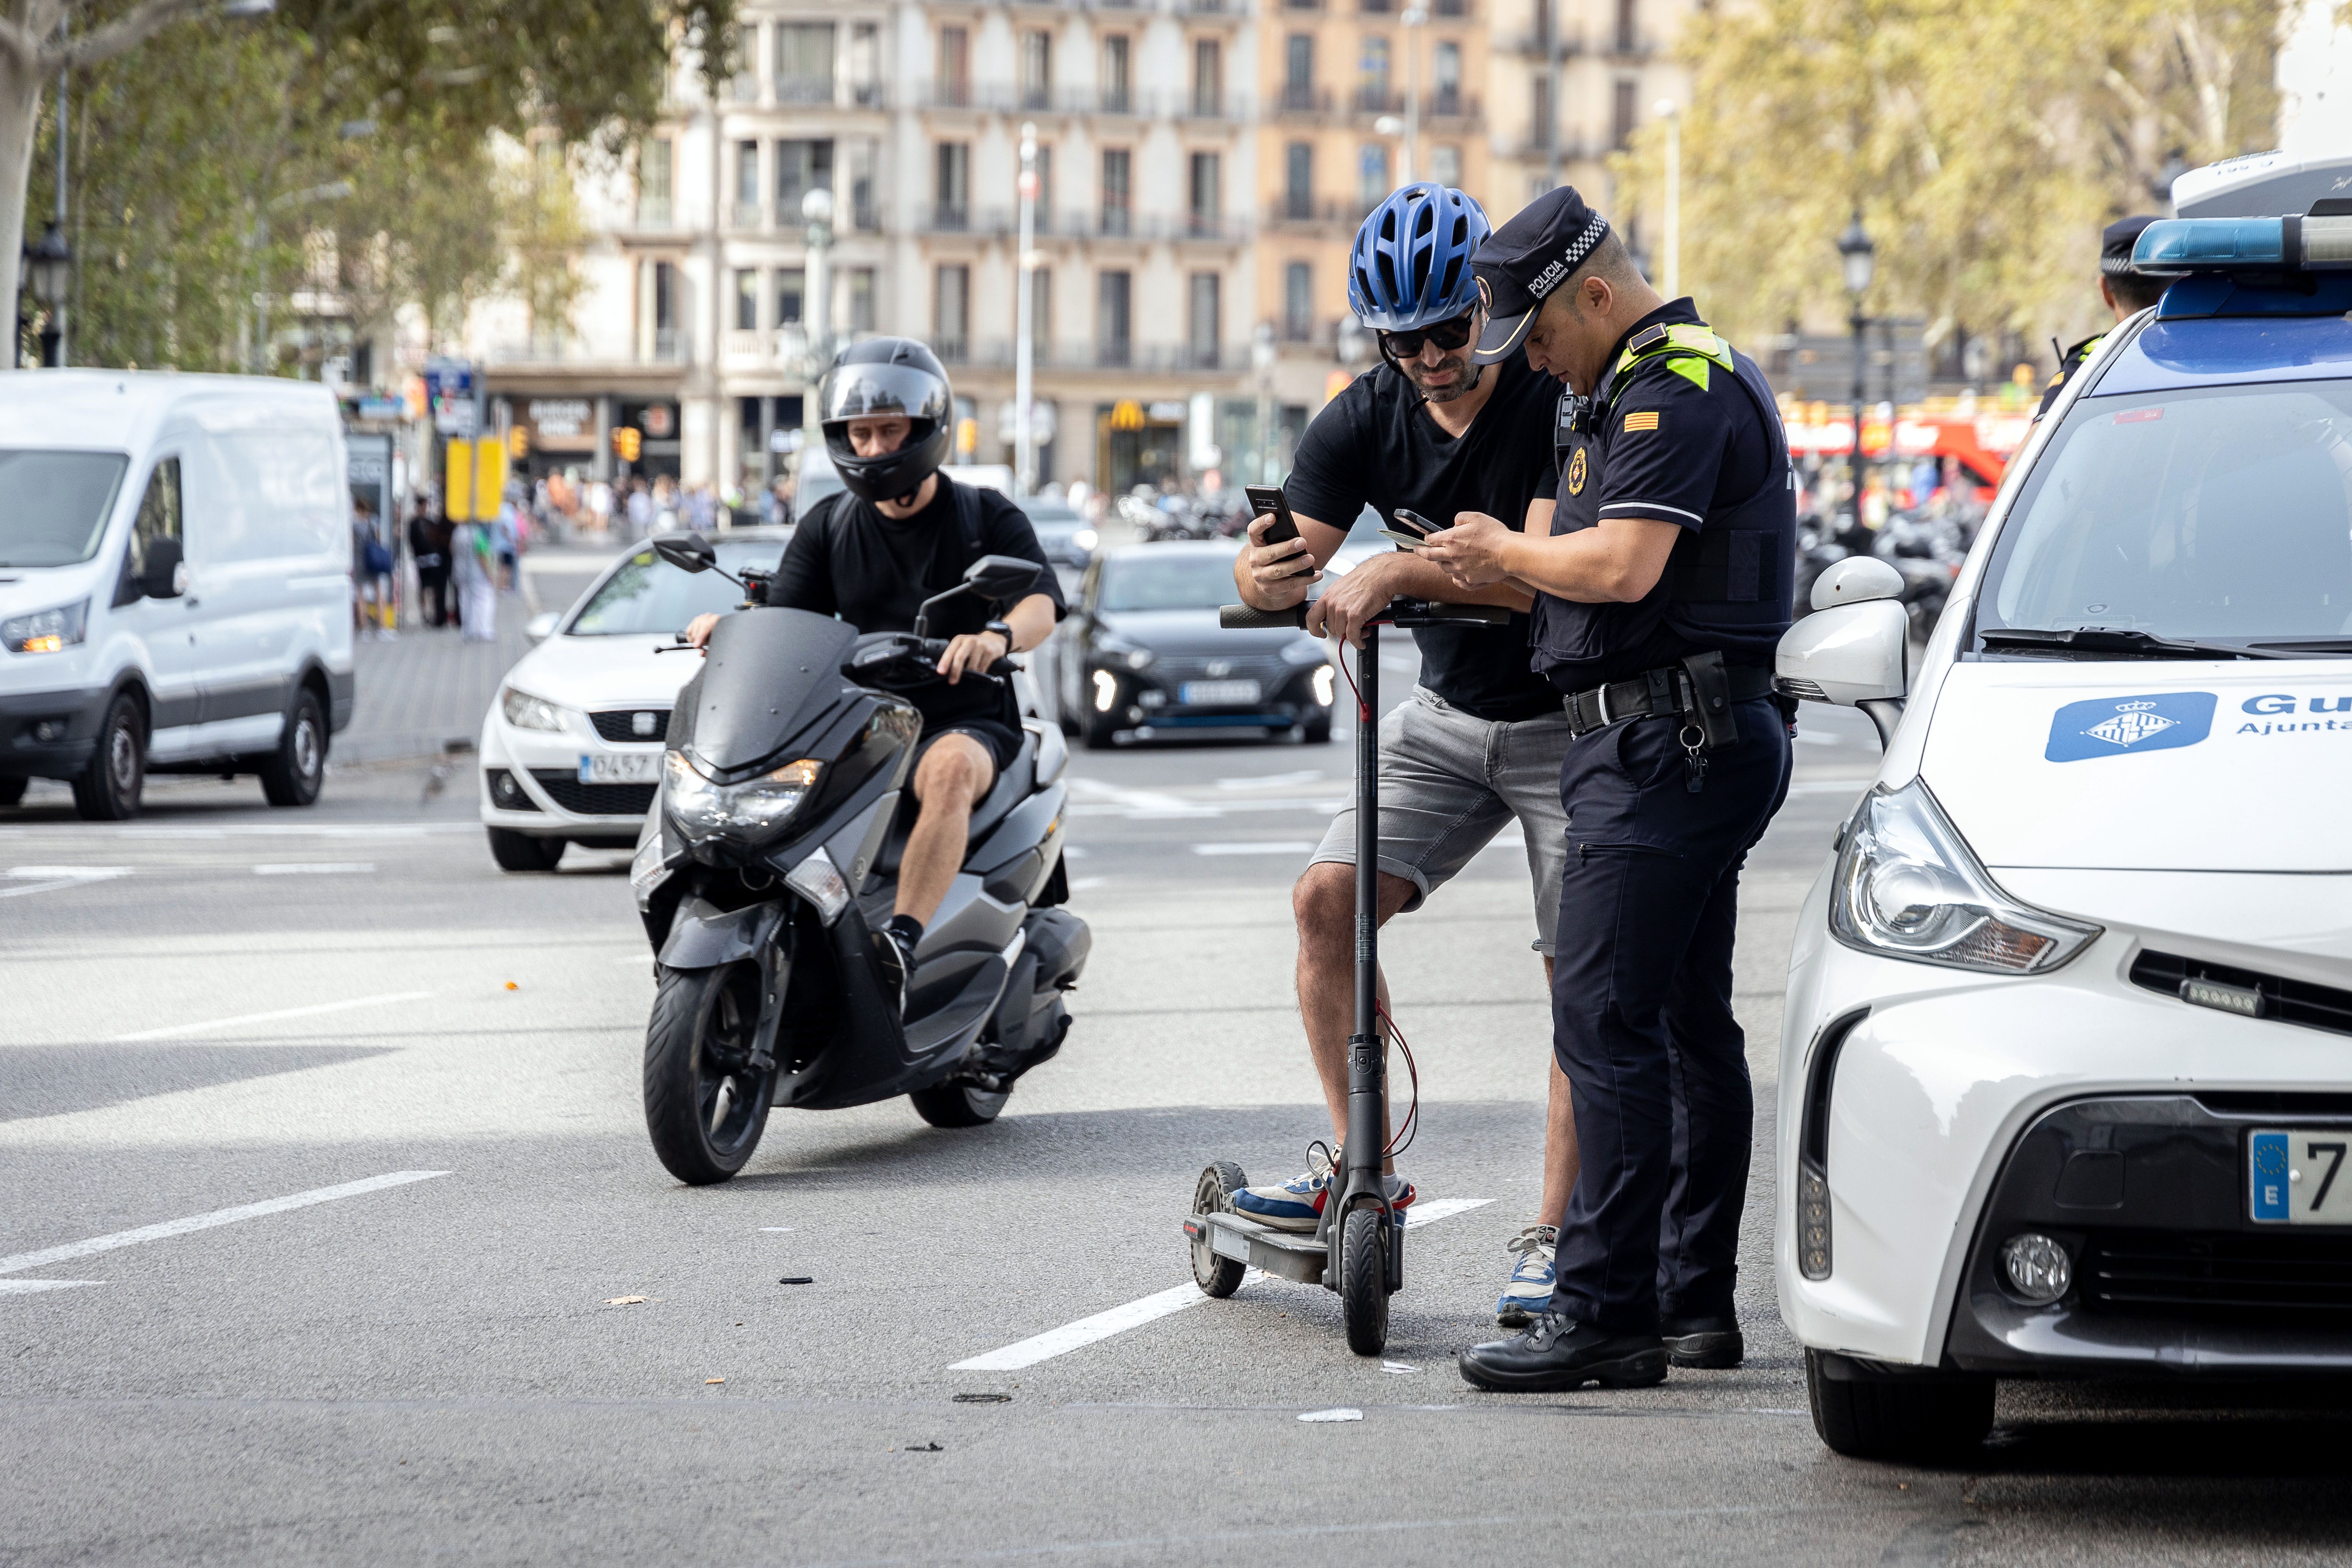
x: 754, y: 807
x: 1908, y: 887
x: 46, y: 631
x: 525, y: 711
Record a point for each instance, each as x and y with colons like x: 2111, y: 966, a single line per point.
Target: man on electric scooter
x: 899, y: 533
x: 1479, y: 743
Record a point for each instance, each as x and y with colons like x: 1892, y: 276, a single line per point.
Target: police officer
x: 2125, y: 292
x: 1659, y: 595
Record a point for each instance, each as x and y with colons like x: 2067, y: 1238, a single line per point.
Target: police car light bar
x: 2185, y: 245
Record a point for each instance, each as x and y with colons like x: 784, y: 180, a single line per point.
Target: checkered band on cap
x: 1577, y: 249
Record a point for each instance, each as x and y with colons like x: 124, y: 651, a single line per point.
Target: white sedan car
x: 2066, y: 1089
x: 571, y: 747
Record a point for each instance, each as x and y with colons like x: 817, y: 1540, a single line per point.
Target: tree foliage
x: 1985, y: 142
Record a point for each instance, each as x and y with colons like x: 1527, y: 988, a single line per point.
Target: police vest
x: 1736, y: 572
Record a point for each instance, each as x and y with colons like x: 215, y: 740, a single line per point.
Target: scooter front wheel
x: 706, y: 1104
x: 1364, y: 1281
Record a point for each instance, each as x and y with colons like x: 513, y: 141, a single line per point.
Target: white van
x: 176, y: 557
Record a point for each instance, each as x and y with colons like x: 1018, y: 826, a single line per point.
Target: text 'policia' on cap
x: 1526, y: 259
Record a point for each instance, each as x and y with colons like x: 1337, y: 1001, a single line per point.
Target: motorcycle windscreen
x: 770, y: 675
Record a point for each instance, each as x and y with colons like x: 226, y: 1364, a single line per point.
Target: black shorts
x: 1002, y: 740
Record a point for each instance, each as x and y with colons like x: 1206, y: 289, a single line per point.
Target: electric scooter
x: 1358, y: 1246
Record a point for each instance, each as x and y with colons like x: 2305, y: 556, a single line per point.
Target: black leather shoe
x: 1710, y: 1342
x: 897, y: 962
x: 1557, y: 1353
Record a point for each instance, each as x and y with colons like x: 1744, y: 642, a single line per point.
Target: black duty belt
x: 1669, y: 690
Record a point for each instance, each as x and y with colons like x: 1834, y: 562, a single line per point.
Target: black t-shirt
x: 846, y: 559
x: 1375, y: 444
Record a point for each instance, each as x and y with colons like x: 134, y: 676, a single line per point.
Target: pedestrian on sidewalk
x: 473, y: 568
x: 428, y: 546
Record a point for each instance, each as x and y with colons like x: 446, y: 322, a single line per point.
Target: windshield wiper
x: 2136, y: 645
x: 2312, y: 644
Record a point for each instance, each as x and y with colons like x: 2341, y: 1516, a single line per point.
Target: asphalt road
x: 511, y: 1337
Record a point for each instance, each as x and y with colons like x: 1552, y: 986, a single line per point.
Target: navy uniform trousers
x: 1641, y: 1019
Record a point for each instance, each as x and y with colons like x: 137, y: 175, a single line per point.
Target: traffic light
x: 518, y: 441
x: 628, y: 442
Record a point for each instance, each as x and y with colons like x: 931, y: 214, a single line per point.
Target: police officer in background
x: 1659, y: 595
x: 2125, y: 292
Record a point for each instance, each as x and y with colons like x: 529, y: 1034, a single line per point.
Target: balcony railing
x: 669, y: 352
x: 804, y: 89
x: 1451, y: 104
x: 1631, y: 46
x: 1111, y: 355
x: 655, y: 213
x: 1300, y: 98
x: 748, y: 214
x: 1294, y: 213
x: 1374, y: 99
x: 1539, y: 43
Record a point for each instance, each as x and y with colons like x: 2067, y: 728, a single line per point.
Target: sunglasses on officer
x: 1447, y: 335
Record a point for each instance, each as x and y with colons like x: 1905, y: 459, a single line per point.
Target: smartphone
x: 1266, y: 501
x: 1409, y: 529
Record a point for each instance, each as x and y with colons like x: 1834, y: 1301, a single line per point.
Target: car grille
x: 594, y: 800
x: 2288, y: 1001
x: 1268, y: 671
x: 2219, y: 1275
x: 620, y: 723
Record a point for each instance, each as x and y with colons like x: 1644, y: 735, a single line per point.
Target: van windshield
x: 649, y: 595
x: 57, y: 504
x: 2220, y: 514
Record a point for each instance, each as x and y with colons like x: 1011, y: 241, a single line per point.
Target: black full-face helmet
x: 885, y: 376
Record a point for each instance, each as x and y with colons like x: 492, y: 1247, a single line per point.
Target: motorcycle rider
x: 1481, y: 740
x: 898, y: 532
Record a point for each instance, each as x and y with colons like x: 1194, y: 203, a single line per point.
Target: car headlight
x: 1120, y: 652
x: 1323, y: 686
x: 1303, y: 650
x: 46, y: 631
x: 754, y: 807
x: 1908, y: 887
x: 525, y: 711
x: 1084, y: 538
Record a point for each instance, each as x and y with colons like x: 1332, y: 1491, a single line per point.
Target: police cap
x: 2116, y: 245
x: 1523, y: 261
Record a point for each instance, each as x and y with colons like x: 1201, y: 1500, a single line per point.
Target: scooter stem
x: 1366, y: 1069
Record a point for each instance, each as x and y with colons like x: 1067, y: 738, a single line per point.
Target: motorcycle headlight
x: 46, y: 631
x: 1908, y: 887
x: 754, y: 807
x: 525, y: 711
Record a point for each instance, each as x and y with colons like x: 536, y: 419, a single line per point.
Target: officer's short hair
x: 1611, y: 262
x: 2136, y: 291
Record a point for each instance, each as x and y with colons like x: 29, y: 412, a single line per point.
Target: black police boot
x: 1557, y: 1353
x: 1708, y: 1342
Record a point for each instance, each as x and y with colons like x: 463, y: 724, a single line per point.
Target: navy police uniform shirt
x: 1666, y: 448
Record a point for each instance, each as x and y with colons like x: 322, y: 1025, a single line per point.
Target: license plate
x: 621, y: 767
x: 2297, y: 1177
x: 1216, y: 693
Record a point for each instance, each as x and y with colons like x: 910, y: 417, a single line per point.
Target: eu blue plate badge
x: 2116, y: 726
x: 2268, y: 1160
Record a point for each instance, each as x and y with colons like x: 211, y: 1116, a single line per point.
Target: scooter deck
x: 1287, y: 1255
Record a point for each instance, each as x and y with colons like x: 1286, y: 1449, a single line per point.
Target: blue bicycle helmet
x: 1410, y: 264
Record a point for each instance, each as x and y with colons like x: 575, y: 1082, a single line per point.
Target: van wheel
x: 12, y: 790
x: 522, y: 852
x: 108, y: 790
x: 293, y: 773
x: 1877, y: 1416
x: 1096, y: 731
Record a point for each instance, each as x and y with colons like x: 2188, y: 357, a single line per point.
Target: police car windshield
x: 1186, y: 582
x: 2221, y: 514
x: 649, y: 595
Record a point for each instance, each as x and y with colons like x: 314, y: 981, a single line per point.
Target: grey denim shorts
x: 1448, y: 784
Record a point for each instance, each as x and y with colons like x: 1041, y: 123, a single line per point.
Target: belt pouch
x: 1710, y: 686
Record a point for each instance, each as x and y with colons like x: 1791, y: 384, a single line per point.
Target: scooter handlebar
x: 1246, y: 617
x: 1403, y: 612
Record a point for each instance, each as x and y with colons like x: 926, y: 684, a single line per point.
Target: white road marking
x: 170, y: 1228
x: 316, y: 869
x: 27, y: 1287
x: 170, y: 1031
x: 1273, y: 780
x: 1139, y: 803
x: 1257, y: 847
x: 1343, y: 1414
x: 1135, y: 1314
x: 71, y: 873
x: 1081, y: 884
x: 40, y: 887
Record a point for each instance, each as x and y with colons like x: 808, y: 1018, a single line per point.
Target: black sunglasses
x: 1446, y: 335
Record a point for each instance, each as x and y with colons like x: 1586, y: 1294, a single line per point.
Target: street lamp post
x: 1262, y: 357
x: 1858, y: 257
x: 48, y: 274
x: 1672, y: 115
x: 817, y: 208
x: 1414, y: 18
x: 1024, y: 442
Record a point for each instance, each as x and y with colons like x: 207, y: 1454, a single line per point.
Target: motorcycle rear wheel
x: 958, y: 1105
x: 706, y: 1106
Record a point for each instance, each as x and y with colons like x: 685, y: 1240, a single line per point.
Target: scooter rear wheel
x: 1364, y: 1281
x: 1213, y: 1194
x: 706, y: 1106
x: 957, y: 1104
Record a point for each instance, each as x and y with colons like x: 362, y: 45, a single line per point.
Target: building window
x: 1118, y: 84
x: 747, y: 300
x: 861, y: 299
x: 866, y: 65
x: 747, y: 184
x: 1204, y: 188
x: 1542, y: 38
x: 1622, y: 112
x: 952, y: 80
x: 803, y: 62
x: 1445, y: 165
x: 1372, y: 78
x: 1629, y: 28
x: 653, y: 182
x: 1036, y: 70
x: 1114, y: 321
x: 1299, y: 180
x: 792, y: 292
x: 1371, y: 175
x: 1118, y: 163
x: 1540, y: 129
x: 1298, y: 71
x: 745, y: 85
x: 952, y: 312
x: 1298, y: 302
x: 1202, y: 323
x: 1208, y: 77
x: 1445, y: 80
x: 802, y: 166
x: 664, y: 303
x: 859, y: 156
x: 951, y: 186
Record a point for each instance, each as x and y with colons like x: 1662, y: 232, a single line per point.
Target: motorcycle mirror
x: 1000, y: 577
x: 687, y: 552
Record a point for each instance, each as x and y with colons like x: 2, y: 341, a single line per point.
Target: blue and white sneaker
x: 1529, y: 1291
x: 1297, y: 1204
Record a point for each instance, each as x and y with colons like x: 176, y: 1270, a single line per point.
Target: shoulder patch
x: 1646, y: 420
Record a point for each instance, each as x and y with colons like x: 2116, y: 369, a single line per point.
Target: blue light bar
x: 2246, y: 244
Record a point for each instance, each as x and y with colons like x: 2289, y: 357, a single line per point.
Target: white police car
x: 2067, y: 1072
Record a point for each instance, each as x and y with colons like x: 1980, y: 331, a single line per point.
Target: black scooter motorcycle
x: 770, y: 856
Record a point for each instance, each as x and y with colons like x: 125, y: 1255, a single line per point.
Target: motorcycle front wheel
x: 706, y: 1105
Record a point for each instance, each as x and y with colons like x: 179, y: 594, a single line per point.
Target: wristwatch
x: 1000, y: 630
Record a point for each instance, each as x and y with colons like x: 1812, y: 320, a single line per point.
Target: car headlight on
x: 46, y: 631
x: 525, y: 711
x: 1120, y: 652
x: 1908, y: 887
x: 1084, y: 538
x: 1106, y: 690
x: 754, y: 807
x: 1323, y: 686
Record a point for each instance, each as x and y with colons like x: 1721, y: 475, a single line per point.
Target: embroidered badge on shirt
x: 1646, y: 420
x: 1575, y: 473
